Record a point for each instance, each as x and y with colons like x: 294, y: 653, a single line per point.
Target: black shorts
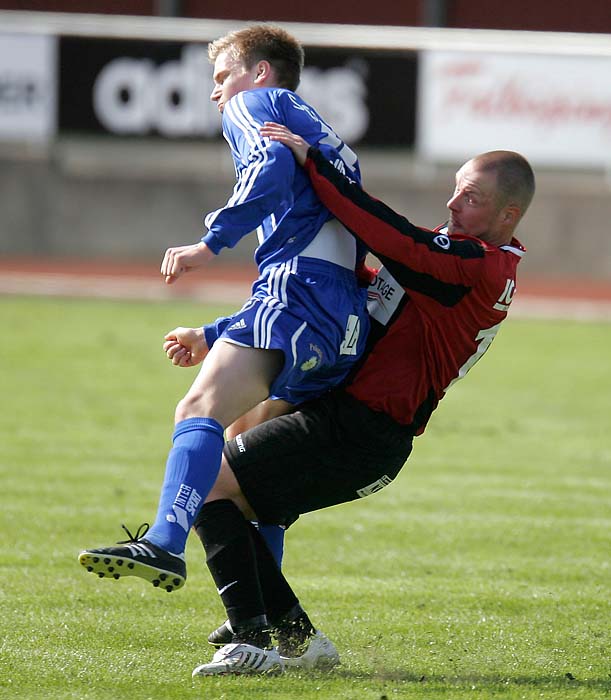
x: 332, y: 450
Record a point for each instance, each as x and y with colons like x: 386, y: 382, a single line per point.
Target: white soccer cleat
x: 241, y: 659
x: 321, y: 654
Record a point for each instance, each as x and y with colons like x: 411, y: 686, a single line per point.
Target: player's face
x: 473, y: 206
x: 230, y: 77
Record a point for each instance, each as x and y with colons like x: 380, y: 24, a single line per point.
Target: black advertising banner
x: 160, y: 88
x: 368, y: 97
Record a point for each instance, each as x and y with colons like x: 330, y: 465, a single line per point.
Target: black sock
x: 293, y: 632
x: 281, y: 604
x: 230, y: 556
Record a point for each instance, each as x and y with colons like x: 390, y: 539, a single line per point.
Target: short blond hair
x: 263, y: 42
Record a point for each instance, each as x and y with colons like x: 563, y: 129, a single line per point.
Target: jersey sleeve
x: 265, y: 174
x: 434, y: 265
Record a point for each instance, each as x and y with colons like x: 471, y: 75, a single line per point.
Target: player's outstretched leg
x: 137, y: 557
x: 159, y: 558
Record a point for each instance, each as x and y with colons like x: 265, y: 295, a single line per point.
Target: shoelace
x: 140, y: 532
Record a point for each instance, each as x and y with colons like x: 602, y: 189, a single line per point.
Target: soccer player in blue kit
x: 305, y: 324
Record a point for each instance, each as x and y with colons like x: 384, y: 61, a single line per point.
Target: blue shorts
x: 311, y: 310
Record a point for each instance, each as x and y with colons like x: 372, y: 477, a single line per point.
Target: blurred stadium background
x: 111, y: 151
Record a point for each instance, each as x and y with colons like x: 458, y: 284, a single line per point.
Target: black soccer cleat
x: 221, y: 635
x: 137, y: 557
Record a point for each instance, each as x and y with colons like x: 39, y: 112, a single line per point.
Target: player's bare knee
x: 189, y: 409
x: 197, y: 404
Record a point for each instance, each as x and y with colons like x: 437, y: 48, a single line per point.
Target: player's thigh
x: 309, y: 477
x: 226, y: 487
x: 232, y: 380
x: 266, y: 410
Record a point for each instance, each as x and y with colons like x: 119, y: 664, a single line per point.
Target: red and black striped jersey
x: 435, y: 305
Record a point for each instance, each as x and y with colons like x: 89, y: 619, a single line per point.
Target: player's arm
x: 414, y: 253
x: 391, y: 236
x: 263, y: 186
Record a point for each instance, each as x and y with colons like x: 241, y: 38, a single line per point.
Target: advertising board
x: 27, y: 87
x: 142, y: 88
x: 556, y: 110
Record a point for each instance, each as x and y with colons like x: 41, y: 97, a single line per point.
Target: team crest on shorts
x: 309, y: 364
x: 314, y: 361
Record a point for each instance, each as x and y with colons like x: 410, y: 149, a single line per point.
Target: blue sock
x: 274, y: 539
x: 191, y: 470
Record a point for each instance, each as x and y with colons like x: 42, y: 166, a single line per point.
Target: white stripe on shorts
x: 294, y: 339
x: 279, y: 279
x: 264, y: 321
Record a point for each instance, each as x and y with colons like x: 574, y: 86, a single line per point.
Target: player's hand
x: 280, y: 133
x: 184, y: 258
x: 185, y: 347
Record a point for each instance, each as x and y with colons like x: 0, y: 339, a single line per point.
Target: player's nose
x: 452, y: 203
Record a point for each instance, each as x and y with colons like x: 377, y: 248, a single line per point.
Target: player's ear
x: 263, y: 71
x: 511, y: 215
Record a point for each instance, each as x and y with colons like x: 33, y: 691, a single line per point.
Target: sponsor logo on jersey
x: 442, y: 241
x: 240, y: 443
x: 383, y: 296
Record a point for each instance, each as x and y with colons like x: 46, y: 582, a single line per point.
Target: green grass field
x: 483, y: 572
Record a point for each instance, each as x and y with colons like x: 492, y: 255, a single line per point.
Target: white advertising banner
x: 28, y: 87
x: 555, y: 110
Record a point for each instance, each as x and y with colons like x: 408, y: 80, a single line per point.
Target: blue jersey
x: 273, y: 195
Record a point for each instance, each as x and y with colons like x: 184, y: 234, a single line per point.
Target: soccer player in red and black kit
x: 436, y: 305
